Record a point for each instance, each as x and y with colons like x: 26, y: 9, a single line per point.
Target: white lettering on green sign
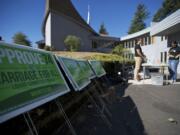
x: 22, y: 57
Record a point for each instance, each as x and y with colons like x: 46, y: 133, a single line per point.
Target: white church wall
x: 48, y: 31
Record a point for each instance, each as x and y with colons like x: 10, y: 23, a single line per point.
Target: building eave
x: 137, y: 34
x: 40, y: 42
x: 169, y: 25
x: 106, y: 38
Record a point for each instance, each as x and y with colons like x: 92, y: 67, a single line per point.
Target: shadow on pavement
x: 125, y: 118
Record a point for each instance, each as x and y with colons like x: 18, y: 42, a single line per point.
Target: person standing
x: 139, y: 56
x: 174, y: 54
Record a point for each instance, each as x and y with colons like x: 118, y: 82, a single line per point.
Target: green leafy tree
x: 120, y: 50
x: 168, y: 7
x: 21, y: 38
x: 72, y: 43
x: 103, y: 30
x: 140, y: 16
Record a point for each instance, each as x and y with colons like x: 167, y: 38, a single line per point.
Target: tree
x: 140, y: 16
x: 21, y: 38
x: 168, y: 7
x: 72, y: 43
x: 103, y: 30
x: 120, y: 50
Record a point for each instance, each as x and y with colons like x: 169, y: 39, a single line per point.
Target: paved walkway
x: 157, y: 105
x: 138, y: 110
x: 149, y: 82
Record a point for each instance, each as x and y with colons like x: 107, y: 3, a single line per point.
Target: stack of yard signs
x: 31, y: 77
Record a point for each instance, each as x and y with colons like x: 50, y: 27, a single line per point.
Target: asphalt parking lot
x: 158, y: 106
x: 138, y: 110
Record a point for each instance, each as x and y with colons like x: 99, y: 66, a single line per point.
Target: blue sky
x: 27, y: 15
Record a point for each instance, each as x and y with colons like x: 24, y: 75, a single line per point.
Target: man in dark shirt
x: 138, y: 50
x: 139, y: 56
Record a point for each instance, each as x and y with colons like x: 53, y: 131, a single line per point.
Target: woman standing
x: 174, y: 54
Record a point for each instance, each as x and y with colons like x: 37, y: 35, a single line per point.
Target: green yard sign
x: 97, y: 68
x: 75, y: 72
x: 85, y: 66
x: 28, y: 78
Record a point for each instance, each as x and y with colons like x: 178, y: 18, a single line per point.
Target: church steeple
x: 88, y: 15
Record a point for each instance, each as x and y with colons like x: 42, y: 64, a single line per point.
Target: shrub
x: 47, y: 48
x: 72, y: 43
x: 120, y: 50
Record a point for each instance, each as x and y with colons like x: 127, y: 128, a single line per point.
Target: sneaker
x: 137, y: 80
x: 171, y: 81
x: 174, y: 81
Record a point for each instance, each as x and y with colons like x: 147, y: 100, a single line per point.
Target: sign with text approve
x: 28, y: 78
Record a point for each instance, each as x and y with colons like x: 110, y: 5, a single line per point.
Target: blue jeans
x: 173, y: 64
